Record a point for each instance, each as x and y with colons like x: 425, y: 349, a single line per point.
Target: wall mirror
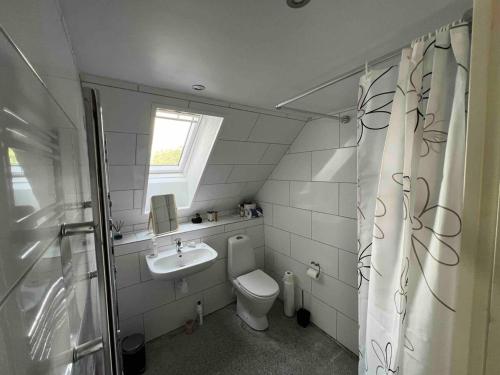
x: 163, y: 214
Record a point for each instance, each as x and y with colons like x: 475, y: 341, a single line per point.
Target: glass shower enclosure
x: 58, y: 311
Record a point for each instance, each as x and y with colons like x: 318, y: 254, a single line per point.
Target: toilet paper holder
x: 316, y: 264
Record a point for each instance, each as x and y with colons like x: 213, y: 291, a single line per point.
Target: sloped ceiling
x: 253, y: 52
x: 248, y: 147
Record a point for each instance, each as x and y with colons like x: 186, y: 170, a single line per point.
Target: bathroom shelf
x: 183, y: 228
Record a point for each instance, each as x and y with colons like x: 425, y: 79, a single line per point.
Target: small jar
x: 210, y: 216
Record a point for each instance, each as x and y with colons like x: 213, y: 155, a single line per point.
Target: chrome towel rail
x: 86, y: 227
x: 87, y: 348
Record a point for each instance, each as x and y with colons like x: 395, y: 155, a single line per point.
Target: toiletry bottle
x: 154, y: 245
x: 199, y: 311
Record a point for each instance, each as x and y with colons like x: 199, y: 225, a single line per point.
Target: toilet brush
x: 303, y: 315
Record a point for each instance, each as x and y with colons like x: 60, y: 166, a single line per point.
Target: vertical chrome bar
x: 103, y: 238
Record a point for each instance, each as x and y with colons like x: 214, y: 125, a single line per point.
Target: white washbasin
x: 168, y: 265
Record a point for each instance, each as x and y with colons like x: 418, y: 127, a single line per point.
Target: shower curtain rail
x: 343, y: 119
x: 467, y: 17
x: 339, y: 78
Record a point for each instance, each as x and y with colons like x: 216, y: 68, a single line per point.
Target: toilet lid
x: 258, y: 283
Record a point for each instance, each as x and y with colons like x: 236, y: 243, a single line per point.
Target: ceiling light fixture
x: 297, y: 3
x: 198, y: 87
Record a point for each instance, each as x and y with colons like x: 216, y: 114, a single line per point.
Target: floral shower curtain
x: 376, y: 92
x: 411, y: 148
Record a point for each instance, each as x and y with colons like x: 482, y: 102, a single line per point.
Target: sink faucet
x: 179, y: 246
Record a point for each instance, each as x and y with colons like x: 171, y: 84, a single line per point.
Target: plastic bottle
x: 154, y: 244
x: 199, y: 311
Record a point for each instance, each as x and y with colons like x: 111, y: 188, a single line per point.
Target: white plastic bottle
x: 154, y: 245
x: 199, y: 311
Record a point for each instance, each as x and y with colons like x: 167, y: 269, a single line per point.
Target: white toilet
x: 255, y: 290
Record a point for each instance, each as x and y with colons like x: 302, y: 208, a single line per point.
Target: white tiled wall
x: 249, y: 145
x: 293, y: 167
x: 309, y: 204
x: 155, y: 307
x: 338, y: 165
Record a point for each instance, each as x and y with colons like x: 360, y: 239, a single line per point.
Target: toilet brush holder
x: 303, y: 315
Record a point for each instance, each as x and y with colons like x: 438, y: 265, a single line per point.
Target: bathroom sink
x: 168, y: 265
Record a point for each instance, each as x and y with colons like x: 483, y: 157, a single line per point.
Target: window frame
x: 174, y: 171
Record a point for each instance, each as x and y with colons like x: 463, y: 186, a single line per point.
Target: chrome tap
x: 178, y: 244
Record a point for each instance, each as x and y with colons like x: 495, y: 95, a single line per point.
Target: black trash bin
x: 134, y: 354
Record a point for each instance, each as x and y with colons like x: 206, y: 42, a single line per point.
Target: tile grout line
x: 314, y: 181
x: 314, y: 211
x: 253, y: 127
x: 262, y: 156
x: 312, y: 239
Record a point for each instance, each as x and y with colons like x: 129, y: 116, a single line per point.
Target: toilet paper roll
x: 288, y: 294
x: 312, y: 273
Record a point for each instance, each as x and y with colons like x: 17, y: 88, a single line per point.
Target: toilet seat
x: 258, y: 284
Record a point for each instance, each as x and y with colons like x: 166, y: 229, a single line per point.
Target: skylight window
x: 180, y: 147
x: 173, y: 136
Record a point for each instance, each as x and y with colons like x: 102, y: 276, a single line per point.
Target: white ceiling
x: 253, y: 52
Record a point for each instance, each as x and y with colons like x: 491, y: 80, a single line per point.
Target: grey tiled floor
x: 225, y: 345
